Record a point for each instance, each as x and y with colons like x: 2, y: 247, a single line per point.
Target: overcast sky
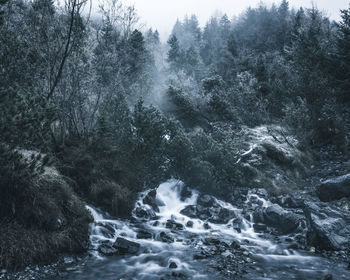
x: 162, y: 14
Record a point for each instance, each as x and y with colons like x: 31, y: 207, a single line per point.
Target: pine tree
x: 174, y: 54
x: 343, y: 56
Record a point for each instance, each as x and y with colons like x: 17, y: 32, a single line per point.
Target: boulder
x: 189, y: 211
x: 189, y: 224
x: 107, y: 250
x: 276, y: 216
x: 335, y: 188
x: 206, y: 226
x: 328, y: 226
x: 235, y: 244
x: 208, y: 209
x: 171, y: 224
x: 164, y: 237
x: 259, y: 227
x: 289, y: 201
x: 205, y: 213
x: 237, y: 224
x: 173, y: 265
x: 155, y: 224
x: 206, y: 200
x: 185, y: 193
x: 106, y: 229
x: 143, y: 234
x: 145, y: 213
x: 211, y: 241
x: 223, y: 217
x: 125, y: 246
x: 151, y: 200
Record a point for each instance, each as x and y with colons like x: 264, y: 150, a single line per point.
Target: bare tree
x: 74, y: 8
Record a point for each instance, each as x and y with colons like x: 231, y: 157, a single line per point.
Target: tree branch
x: 66, y: 51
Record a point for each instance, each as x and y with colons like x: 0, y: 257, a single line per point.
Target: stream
x: 173, y: 245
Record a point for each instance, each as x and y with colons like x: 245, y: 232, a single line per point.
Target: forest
x: 95, y: 109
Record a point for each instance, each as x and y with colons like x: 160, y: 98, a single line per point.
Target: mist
x: 162, y: 15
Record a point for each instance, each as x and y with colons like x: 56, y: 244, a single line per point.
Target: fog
x: 161, y: 14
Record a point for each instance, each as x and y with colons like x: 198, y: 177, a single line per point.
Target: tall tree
x: 174, y: 54
x: 343, y: 56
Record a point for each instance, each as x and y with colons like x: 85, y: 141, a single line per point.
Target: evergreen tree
x: 343, y: 56
x: 174, y: 54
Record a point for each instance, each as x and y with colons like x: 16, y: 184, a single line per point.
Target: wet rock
x: 200, y: 256
x: 108, y: 250
x: 125, y: 246
x: 205, y: 213
x: 237, y: 224
x: 206, y: 226
x: 254, y: 199
x: 189, y: 211
x: 107, y: 226
x: 107, y: 231
x: 164, y: 237
x: 143, y: 234
x: 335, y: 188
x: 261, y: 192
x: 289, y: 201
x: 156, y: 223
x: 151, y: 200
x: 189, y: 224
x: 173, y: 265
x: 293, y: 246
x: 185, y: 193
x: 239, y: 195
x: 145, y: 213
x: 206, y: 200
x: 259, y: 227
x: 276, y: 216
x: 328, y: 277
x: 328, y: 226
x: 211, y: 241
x: 223, y: 217
x: 235, y: 244
x: 171, y: 224
x: 208, y: 209
x: 178, y: 275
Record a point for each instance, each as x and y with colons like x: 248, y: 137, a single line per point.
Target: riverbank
x: 253, y: 236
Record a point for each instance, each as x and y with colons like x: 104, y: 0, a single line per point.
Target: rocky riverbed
x: 178, y: 233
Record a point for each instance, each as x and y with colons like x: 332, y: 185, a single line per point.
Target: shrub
x: 40, y: 216
x: 297, y: 116
x: 114, y: 197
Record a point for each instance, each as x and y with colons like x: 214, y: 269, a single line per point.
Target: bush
x: 40, y: 216
x: 116, y: 198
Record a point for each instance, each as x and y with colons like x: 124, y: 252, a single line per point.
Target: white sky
x: 162, y: 14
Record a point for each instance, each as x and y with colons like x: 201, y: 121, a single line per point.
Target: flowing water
x: 270, y: 259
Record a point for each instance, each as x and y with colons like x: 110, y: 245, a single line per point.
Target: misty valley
x: 217, y: 151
